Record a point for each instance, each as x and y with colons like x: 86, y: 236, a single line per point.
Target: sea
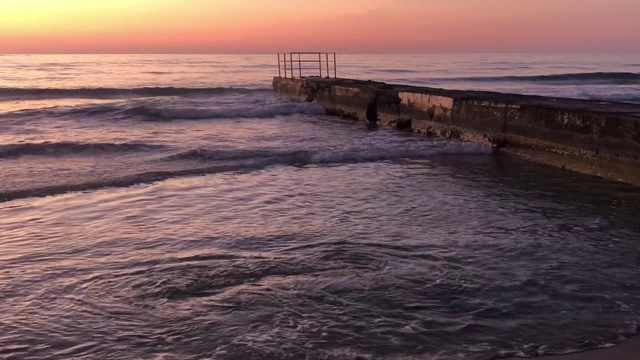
x: 171, y: 207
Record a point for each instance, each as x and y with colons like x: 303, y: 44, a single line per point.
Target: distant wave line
x: 613, y: 78
x: 8, y: 94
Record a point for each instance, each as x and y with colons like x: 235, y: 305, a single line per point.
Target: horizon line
x: 341, y: 53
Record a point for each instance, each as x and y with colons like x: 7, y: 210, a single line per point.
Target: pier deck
x: 593, y: 137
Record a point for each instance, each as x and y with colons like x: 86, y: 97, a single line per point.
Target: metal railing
x: 306, y: 64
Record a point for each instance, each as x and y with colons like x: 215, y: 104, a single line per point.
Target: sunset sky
x: 355, y: 26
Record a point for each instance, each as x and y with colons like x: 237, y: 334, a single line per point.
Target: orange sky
x: 256, y: 26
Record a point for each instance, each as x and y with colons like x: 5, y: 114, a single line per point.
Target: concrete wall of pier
x: 597, y: 138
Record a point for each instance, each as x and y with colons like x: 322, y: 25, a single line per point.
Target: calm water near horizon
x: 171, y: 207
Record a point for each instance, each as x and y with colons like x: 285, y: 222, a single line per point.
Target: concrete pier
x: 592, y: 137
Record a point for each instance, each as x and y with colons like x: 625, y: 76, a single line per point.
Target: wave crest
x: 70, y: 148
x: 250, y: 160
x: 255, y: 107
x: 592, y: 78
x: 280, y: 108
x: 115, y: 93
x: 337, y: 156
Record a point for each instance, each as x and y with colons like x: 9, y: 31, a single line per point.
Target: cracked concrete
x: 592, y: 137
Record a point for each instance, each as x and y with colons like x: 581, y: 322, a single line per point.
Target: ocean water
x: 170, y: 207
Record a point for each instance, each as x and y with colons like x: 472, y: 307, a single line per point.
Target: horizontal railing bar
x: 309, y: 57
x: 307, y: 61
x: 308, y: 52
x: 310, y: 60
x: 307, y: 66
x: 304, y: 54
x: 316, y: 60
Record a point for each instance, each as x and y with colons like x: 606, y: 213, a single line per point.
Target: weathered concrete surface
x: 593, y: 137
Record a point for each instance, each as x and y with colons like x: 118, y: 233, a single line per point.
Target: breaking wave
x: 70, y: 148
x: 159, y: 111
x: 282, y: 108
x: 115, y: 93
x: 342, y: 156
x: 252, y: 160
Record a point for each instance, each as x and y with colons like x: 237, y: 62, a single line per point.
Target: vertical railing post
x: 327, y: 60
x: 285, y: 65
x: 299, y: 66
x: 291, y: 60
x: 320, y: 63
x: 279, y: 72
x: 335, y: 74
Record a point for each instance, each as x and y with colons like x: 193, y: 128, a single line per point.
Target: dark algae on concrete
x: 591, y: 137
